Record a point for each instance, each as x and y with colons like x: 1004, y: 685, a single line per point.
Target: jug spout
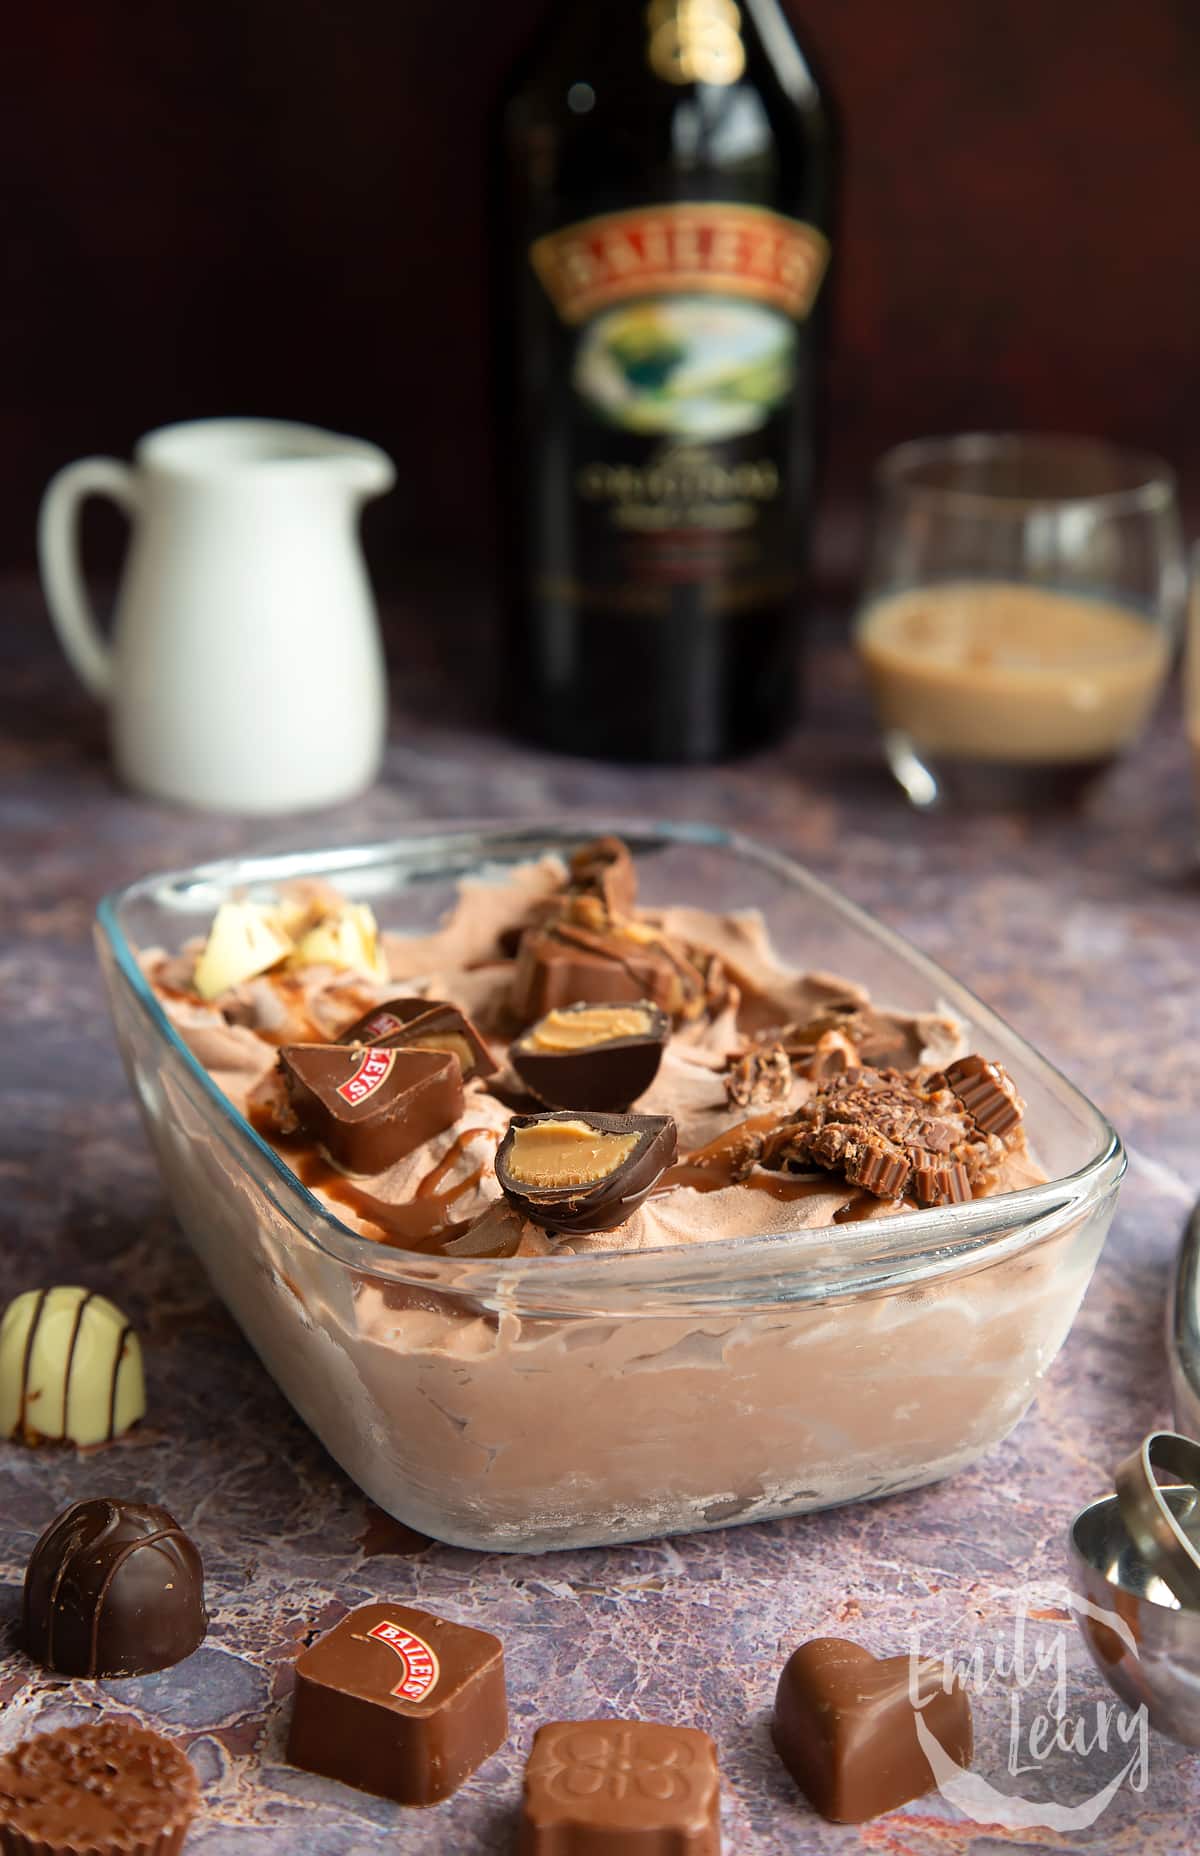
x: 363, y: 468
x: 224, y: 452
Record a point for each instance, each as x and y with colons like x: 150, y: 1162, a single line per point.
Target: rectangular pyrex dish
x: 534, y: 1403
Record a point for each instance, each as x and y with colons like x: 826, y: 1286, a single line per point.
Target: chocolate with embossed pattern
x: 987, y: 1092
x: 613, y: 1788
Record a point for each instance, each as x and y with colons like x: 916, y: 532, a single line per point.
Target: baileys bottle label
x: 686, y: 350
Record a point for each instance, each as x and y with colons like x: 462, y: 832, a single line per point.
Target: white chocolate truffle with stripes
x: 70, y: 1369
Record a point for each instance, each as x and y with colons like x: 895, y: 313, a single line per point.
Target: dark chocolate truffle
x: 113, y: 1588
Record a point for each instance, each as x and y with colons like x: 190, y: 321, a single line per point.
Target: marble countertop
x: 1082, y: 929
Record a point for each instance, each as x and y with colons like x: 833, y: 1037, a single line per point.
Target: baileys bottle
x: 662, y: 217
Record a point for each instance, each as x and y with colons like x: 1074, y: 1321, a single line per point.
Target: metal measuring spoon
x: 1183, y: 1330
x: 1135, y: 1572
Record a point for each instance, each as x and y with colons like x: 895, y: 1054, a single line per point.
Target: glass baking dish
x: 534, y: 1403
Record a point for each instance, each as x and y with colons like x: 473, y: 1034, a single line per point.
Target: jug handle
x: 58, y: 560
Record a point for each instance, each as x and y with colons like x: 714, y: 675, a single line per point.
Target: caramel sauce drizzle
x: 855, y: 1210
x: 423, y: 1222
x: 711, y: 1168
x: 299, y: 1027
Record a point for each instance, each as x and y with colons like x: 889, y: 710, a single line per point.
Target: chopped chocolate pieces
x: 891, y: 1132
x: 592, y: 1056
x: 592, y: 950
x: 369, y: 1106
x: 565, y: 963
x: 759, y: 1076
x: 578, y: 1173
x: 734, y: 1153
x: 940, y: 1182
x: 873, y: 1168
x: 987, y: 1092
x: 823, y: 1047
x: 399, y: 1702
x: 846, y: 1728
x: 613, y: 1788
x: 423, y: 1024
x: 833, y: 1052
x: 605, y: 869
x: 800, y: 1041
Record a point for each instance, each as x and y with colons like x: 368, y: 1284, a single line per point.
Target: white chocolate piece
x: 304, y: 901
x: 349, y: 938
x: 70, y: 1369
x: 246, y: 938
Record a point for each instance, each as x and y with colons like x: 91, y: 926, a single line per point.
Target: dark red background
x: 277, y: 206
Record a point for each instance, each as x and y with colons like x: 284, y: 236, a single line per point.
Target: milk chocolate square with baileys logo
x: 399, y: 1702
x: 574, y: 1172
x: 620, y: 1788
x: 424, y: 1024
x: 369, y: 1106
x: 567, y: 963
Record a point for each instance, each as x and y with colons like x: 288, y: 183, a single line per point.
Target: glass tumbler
x: 1021, y: 604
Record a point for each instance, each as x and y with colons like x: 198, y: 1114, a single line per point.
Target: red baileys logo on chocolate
x: 421, y: 1667
x: 381, y: 1024
x: 702, y: 248
x: 373, y: 1069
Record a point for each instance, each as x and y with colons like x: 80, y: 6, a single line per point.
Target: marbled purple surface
x: 1083, y: 929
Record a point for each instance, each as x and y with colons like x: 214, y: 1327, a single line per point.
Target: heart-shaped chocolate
x: 845, y: 1727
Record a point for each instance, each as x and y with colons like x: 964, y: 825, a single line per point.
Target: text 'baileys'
x: 665, y: 176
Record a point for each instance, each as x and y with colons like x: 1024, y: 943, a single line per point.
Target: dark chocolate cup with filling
x: 586, y: 1056
x: 579, y: 1172
x: 424, y: 1024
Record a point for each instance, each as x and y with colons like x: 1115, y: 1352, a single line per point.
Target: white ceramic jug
x: 245, y: 671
